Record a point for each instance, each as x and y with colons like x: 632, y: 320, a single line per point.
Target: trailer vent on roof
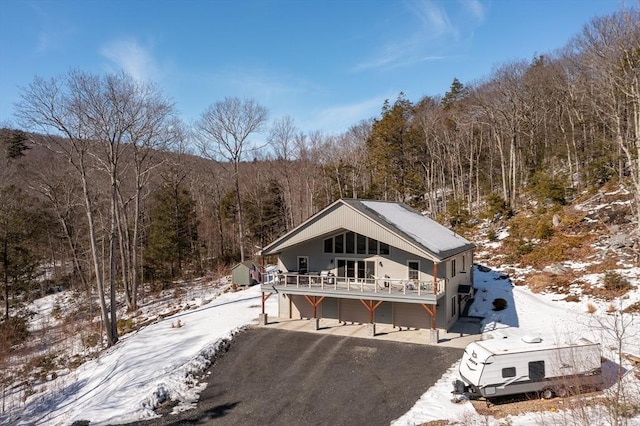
x: 531, y: 339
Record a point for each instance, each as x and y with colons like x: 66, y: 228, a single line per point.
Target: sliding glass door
x: 360, y: 269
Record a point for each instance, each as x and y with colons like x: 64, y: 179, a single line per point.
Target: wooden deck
x: 371, y: 288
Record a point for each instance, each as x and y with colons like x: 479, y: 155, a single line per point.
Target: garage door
x: 384, y: 313
x: 411, y: 315
x: 353, y: 310
x: 301, y: 308
x: 330, y: 308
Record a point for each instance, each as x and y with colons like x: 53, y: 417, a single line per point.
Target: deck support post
x: 371, y: 307
x: 434, y: 335
x: 315, y: 323
x: 262, y: 317
x: 315, y: 302
x: 265, y: 296
x: 371, y: 329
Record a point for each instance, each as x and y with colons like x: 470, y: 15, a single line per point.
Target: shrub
x: 14, y: 330
x: 547, y: 189
x: 92, y: 340
x: 125, y: 325
x: 632, y: 309
x: 499, y: 304
x: 591, y: 308
x: 457, y: 213
x: 497, y: 208
x: 572, y: 298
x: 43, y: 365
x: 615, y: 282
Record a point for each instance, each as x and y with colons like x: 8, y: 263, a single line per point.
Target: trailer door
x: 536, y: 370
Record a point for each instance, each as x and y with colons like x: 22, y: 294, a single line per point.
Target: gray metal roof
x: 408, y: 226
x: 432, y: 236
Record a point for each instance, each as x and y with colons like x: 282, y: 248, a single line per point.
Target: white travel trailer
x: 514, y: 365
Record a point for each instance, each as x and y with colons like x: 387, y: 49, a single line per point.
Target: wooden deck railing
x: 362, y: 285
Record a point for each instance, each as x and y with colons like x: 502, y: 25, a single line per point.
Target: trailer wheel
x: 547, y: 393
x: 562, y: 392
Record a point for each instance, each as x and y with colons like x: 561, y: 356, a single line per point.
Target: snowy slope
x: 159, y: 361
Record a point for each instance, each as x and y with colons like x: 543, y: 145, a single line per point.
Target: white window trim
x: 409, y: 270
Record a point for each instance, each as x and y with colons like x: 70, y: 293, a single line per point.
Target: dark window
x: 339, y: 243
x: 509, y: 372
x: 341, y: 268
x: 351, y: 269
x: 303, y: 264
x: 373, y: 246
x: 384, y: 248
x: 349, y: 242
x: 536, y: 370
x: 328, y: 245
x: 362, y: 244
x: 414, y: 272
x: 453, y: 268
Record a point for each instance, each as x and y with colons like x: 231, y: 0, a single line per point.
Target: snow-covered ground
x: 161, y: 361
x: 531, y: 314
x: 157, y: 363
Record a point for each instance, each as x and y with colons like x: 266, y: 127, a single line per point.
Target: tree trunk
x: 111, y: 338
x: 5, y: 264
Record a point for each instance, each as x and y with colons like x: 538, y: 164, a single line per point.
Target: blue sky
x: 327, y: 64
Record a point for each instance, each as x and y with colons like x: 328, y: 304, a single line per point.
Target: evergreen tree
x: 393, y: 151
x: 14, y: 142
x: 267, y: 216
x: 20, y: 219
x: 173, y: 234
x: 456, y: 93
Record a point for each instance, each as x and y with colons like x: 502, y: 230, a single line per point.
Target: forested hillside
x: 103, y: 188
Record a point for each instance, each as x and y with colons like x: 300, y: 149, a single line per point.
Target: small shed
x: 245, y: 273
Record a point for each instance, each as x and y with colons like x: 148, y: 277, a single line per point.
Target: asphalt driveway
x: 278, y: 377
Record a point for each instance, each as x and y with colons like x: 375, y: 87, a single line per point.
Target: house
x: 245, y: 273
x: 371, y: 262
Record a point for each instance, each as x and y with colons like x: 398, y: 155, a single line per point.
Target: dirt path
x: 277, y: 377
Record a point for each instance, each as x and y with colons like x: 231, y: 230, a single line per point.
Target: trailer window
x: 509, y: 372
x: 536, y: 370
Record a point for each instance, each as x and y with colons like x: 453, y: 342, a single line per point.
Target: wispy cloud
x: 434, y: 19
x: 434, y: 30
x: 52, y: 35
x: 264, y: 85
x: 475, y: 9
x: 131, y: 57
x: 340, y: 118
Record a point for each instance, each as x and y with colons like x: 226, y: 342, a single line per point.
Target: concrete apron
x: 460, y: 335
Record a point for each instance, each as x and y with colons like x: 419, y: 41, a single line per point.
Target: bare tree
x: 223, y: 133
x: 91, y: 121
x: 282, y: 138
x: 609, y: 53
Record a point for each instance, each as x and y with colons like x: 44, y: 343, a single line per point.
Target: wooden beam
x: 316, y: 301
x: 435, y: 278
x: 264, y: 299
x: 371, y: 308
x: 432, y: 312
